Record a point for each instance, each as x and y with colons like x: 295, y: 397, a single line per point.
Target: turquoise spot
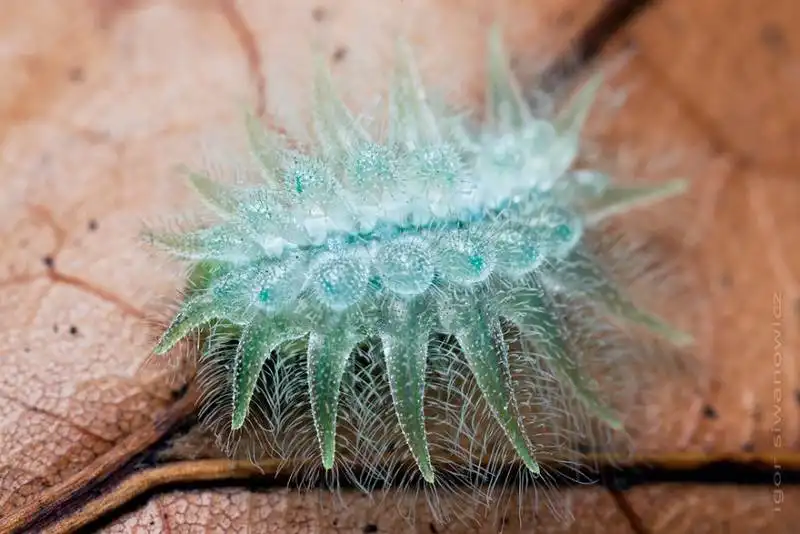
x: 477, y: 262
x: 376, y: 282
x: 563, y: 232
x: 329, y: 287
x: 264, y: 296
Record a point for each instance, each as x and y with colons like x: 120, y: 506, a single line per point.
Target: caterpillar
x: 411, y: 295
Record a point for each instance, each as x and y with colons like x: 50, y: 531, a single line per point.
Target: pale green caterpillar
x: 373, y: 300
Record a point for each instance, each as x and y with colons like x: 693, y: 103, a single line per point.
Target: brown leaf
x: 717, y: 115
x: 290, y: 512
x: 685, y: 508
x: 84, y: 160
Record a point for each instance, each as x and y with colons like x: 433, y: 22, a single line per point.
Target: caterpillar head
x: 372, y: 291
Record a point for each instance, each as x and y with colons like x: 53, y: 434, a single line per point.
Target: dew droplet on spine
x: 372, y: 165
x: 266, y: 220
x: 441, y: 162
x: 339, y: 281
x: 276, y: 286
x: 306, y: 178
x: 405, y: 267
x: 505, y: 153
x: 561, y: 229
x: 464, y: 259
x: 518, y: 249
x: 538, y: 136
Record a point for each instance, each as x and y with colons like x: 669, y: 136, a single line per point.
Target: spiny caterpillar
x: 391, y: 293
